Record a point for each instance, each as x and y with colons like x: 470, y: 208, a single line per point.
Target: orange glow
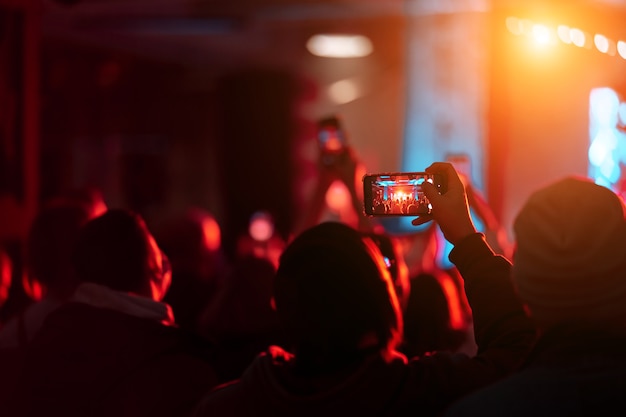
x: 212, y: 233
x: 337, y: 196
x: 454, y: 303
x: 542, y: 34
x: 159, y: 282
x: 514, y: 26
x: 526, y: 26
x: 344, y: 91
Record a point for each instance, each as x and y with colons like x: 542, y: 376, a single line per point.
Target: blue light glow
x: 607, y: 147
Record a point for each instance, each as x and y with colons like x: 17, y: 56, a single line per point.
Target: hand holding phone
x: 331, y: 139
x: 450, y: 209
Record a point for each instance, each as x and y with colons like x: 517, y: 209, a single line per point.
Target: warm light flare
x: 337, y: 196
x: 212, y: 234
x: 541, y: 34
x: 526, y: 27
x: 578, y: 37
x: 340, y: 46
x: 344, y: 91
x: 514, y: 25
x: 602, y: 43
x: 261, y: 227
x: 563, y: 32
x: 621, y: 48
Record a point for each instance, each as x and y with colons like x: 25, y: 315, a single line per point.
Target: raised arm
x: 503, y: 332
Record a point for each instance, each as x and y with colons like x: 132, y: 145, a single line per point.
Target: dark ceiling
x: 219, y: 31
x: 208, y: 31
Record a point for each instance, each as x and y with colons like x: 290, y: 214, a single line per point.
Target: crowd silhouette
x: 336, y: 319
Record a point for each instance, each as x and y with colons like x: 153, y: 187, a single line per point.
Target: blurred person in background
x: 261, y: 240
x: 338, y: 181
x: 433, y: 318
x: 193, y: 243
x: 114, y: 347
x: 241, y: 321
x: 49, y: 277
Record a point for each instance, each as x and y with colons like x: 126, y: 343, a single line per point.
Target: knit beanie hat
x: 570, y: 259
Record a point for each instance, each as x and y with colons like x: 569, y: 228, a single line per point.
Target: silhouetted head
x: 244, y: 304
x: 193, y: 242
x: 50, y: 244
x: 335, y: 296
x: 117, y: 250
x: 90, y: 196
x: 570, y: 257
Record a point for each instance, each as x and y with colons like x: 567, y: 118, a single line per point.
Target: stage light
x: 621, y: 114
x: 563, y: 33
x: 602, y: 147
x: 602, y: 43
x: 610, y: 170
x: 604, y: 105
x: 343, y: 91
x: 526, y: 26
x: 337, y: 196
x: 340, y: 46
x: 261, y: 226
x: 514, y: 26
x: 621, y: 48
x: 541, y: 34
x: 578, y: 37
x: 607, y: 150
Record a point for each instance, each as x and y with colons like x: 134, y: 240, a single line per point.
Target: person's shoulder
x: 255, y: 388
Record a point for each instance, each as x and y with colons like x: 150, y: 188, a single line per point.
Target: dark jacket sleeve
x: 504, y: 334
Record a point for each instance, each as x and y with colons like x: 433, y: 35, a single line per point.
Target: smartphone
x: 398, y: 193
x: 331, y: 137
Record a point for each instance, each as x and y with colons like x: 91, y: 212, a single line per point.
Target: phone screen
x: 330, y: 135
x: 331, y: 139
x: 397, y: 194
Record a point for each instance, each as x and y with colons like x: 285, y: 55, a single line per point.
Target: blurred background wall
x: 171, y: 103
